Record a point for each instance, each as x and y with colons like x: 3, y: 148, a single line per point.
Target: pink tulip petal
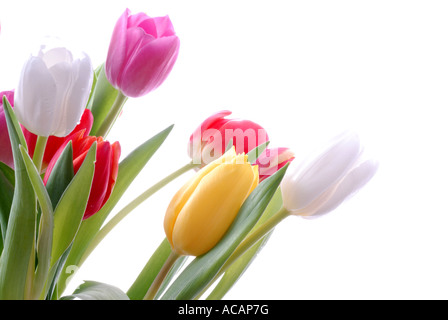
x: 147, y: 70
x: 5, y: 143
x: 246, y: 135
x: 195, y: 145
x: 143, y: 22
x: 164, y: 27
x: 271, y: 160
x: 116, y: 56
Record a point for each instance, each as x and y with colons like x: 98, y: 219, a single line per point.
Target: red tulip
x: 210, y: 140
x: 106, y: 167
x: 272, y: 160
x: 54, y: 143
x: 141, y: 54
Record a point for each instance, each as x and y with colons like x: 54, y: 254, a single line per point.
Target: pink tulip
x: 271, y: 160
x: 5, y: 143
x: 210, y: 140
x: 141, y: 54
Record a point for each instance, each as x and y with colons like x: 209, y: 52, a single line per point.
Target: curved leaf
x: 61, y: 175
x: 253, y: 155
x: 20, y: 235
x: 91, y: 290
x: 6, y: 196
x: 70, y: 209
x: 45, y: 235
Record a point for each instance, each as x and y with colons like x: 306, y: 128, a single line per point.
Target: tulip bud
x: 319, y: 186
x: 54, y: 86
x: 5, y: 144
x: 271, y: 160
x: 200, y: 213
x: 210, y: 140
x: 106, y: 167
x: 141, y: 54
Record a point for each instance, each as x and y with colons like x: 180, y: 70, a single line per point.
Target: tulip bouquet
x: 60, y: 178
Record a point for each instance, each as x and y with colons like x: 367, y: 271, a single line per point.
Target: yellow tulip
x: 200, y: 213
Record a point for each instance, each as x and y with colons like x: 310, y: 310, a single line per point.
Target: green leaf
x: 102, y: 99
x: 70, y: 209
x: 236, y: 270
x: 144, y: 280
x: 253, y: 155
x: 20, y: 235
x: 6, y: 196
x: 203, y: 269
x: 45, y: 237
x: 128, y: 170
x: 180, y: 261
x: 91, y: 290
x: 61, y: 175
x: 54, y: 275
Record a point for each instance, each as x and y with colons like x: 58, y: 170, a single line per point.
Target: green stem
x: 155, y: 286
x: 131, y: 206
x: 249, y: 241
x: 39, y: 151
x: 112, y: 116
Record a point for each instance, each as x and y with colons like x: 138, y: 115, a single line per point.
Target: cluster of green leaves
x: 42, y: 231
x: 42, y: 227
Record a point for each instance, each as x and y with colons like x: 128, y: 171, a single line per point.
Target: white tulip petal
x: 62, y: 74
x: 307, y: 182
x: 76, y: 98
x: 35, y: 100
x: 353, y: 181
x: 53, y: 56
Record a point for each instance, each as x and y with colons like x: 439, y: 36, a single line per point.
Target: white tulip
x: 53, y: 90
x: 323, y: 183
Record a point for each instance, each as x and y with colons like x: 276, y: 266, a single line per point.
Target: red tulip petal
x: 115, y: 157
x: 100, y: 179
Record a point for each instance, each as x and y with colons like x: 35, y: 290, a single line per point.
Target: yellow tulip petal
x: 182, y: 196
x: 212, y: 207
x: 256, y: 179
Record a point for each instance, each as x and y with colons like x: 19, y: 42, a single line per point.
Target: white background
x: 305, y: 70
